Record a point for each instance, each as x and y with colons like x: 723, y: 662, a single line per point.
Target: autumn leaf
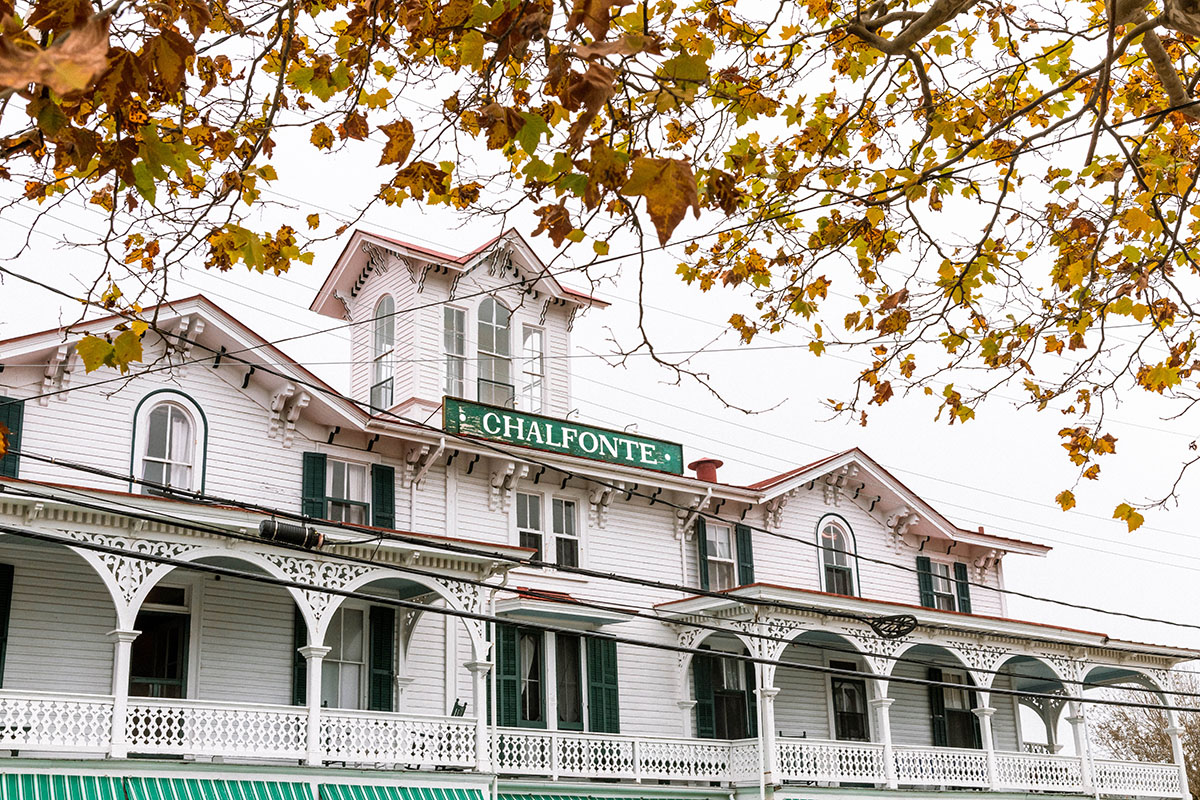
x: 595, y: 15
x: 313, y: 220
x: 127, y: 349
x: 164, y: 58
x: 4, y: 434
x: 1131, y: 517
x: 68, y: 66
x: 669, y: 188
x: 321, y: 137
x: 555, y: 221
x: 399, y: 142
x: 1066, y: 499
x: 354, y: 127
x: 94, y: 352
x: 893, y: 300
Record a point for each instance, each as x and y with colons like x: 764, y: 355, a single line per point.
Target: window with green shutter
x: 299, y: 662
x: 963, y: 585
x: 925, y: 581
x: 701, y: 535
x: 381, y: 673
x: 383, y: 496
x: 345, y: 491
x: 604, y: 696
x: 312, y: 486
x: 6, y: 589
x: 12, y: 414
x: 702, y: 679
x: 520, y: 677
x: 745, y: 555
x: 508, y: 676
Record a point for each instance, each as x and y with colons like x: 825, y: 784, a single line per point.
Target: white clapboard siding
x: 802, y: 705
x: 60, y: 616
x: 426, y: 665
x: 245, y: 642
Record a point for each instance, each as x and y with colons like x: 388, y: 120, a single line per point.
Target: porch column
x: 883, y: 718
x: 686, y: 707
x: 479, y: 673
x: 1078, y: 722
x: 985, y: 714
x: 766, y: 730
x: 314, y: 656
x: 122, y: 646
x: 1174, y: 731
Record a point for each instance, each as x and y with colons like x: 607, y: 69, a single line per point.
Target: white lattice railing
x: 830, y: 762
x: 206, y: 728
x: 584, y: 755
x: 941, y: 766
x: 1039, y: 772
x: 373, y: 737
x: 1137, y: 779
x: 55, y: 722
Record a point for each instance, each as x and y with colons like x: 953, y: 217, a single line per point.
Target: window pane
x: 356, y: 479
x: 719, y: 545
x: 533, y: 541
x: 570, y: 694
x: 568, y: 552
x: 333, y: 639
x: 564, y: 517
x: 181, y: 476
x: 351, y: 685
x: 154, y: 472
x: 330, y: 680
x: 181, y: 436
x: 720, y: 575
x: 531, y: 674
x: 352, y: 635
x: 156, y: 438
x: 336, y: 483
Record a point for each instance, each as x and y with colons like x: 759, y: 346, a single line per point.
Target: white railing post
x: 479, y: 672
x: 555, y: 764
x: 1174, y: 731
x: 123, y: 645
x: 314, y: 657
x: 985, y: 714
x: 883, y: 716
x: 637, y: 761
x: 1079, y: 732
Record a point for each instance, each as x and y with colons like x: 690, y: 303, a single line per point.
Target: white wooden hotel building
x: 221, y: 579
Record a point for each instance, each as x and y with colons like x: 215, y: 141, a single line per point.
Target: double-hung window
x: 566, y: 536
x: 342, y: 672
x: 533, y: 369
x: 383, y: 347
x: 168, y: 460
x: 346, y: 492
x: 721, y: 566
x: 454, y: 348
x: 495, y: 354
x: 836, y: 557
x: 568, y: 656
x: 943, y: 587
x: 563, y: 546
x: 531, y: 663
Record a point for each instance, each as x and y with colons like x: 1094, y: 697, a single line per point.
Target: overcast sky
x: 1000, y: 471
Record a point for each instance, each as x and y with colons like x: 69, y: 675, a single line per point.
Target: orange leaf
x: 399, y: 143
x: 555, y: 221
x: 69, y: 65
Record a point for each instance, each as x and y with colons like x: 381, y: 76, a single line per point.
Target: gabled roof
x: 893, y: 496
x: 348, y: 267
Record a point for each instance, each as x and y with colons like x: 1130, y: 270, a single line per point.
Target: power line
x: 544, y: 628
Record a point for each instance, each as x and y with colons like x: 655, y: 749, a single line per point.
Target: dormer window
x: 383, y: 347
x: 533, y: 369
x: 495, y: 354
x: 168, y: 444
x: 837, y: 557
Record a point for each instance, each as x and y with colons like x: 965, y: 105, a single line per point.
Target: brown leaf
x: 164, y: 59
x: 502, y: 124
x: 722, y: 190
x: 555, y: 221
x: 516, y: 28
x: 627, y: 45
x: 589, y: 91
x: 669, y: 188
x: 69, y: 65
x: 606, y: 170
x: 197, y: 16
x: 60, y: 15
x: 355, y: 127
x: 399, y: 142
x: 894, y: 299
x: 595, y: 15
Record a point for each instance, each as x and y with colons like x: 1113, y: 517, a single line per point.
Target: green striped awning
x: 138, y: 788
x: 503, y: 796
x: 60, y: 787
x: 354, y: 791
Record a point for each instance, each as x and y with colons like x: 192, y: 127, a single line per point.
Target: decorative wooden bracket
x: 685, y: 518
x: 899, y: 521
x: 503, y: 479
x: 836, y: 484
x: 986, y: 561
x: 58, y: 373
x: 345, y: 301
x: 286, y: 405
x: 186, y: 331
x: 775, y: 509
x: 599, y: 499
x: 33, y: 512
x: 419, y: 459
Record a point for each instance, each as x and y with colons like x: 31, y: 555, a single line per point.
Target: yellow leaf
x: 94, y: 352
x: 1066, y: 499
x: 669, y: 188
x: 399, y: 143
x: 314, y: 220
x: 1132, y: 518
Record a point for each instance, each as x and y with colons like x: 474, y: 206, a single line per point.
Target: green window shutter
x: 937, y: 709
x: 925, y: 581
x: 299, y: 662
x: 702, y: 551
x: 751, y: 700
x: 508, y: 675
x: 706, y: 711
x: 745, y: 555
x: 6, y: 589
x: 12, y: 412
x: 383, y: 496
x: 962, y: 583
x: 604, y: 696
x: 312, y: 488
x: 382, y: 675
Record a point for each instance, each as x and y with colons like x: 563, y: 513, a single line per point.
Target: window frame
x: 936, y: 578
x: 850, y: 569
x: 329, y: 661
x: 548, y: 551
x: 141, y: 430
x: 731, y: 562
x: 848, y: 659
x: 463, y: 379
x: 193, y: 607
x: 494, y: 355
x: 581, y: 644
x: 365, y: 505
x: 383, y: 359
x: 525, y: 396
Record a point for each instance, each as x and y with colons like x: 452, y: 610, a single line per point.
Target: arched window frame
x: 383, y: 349
x: 495, y: 381
x: 141, y: 433
x: 828, y: 558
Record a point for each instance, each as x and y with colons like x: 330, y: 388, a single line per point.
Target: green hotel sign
x: 559, y: 436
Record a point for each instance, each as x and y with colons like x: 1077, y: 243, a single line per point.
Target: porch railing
x: 83, y: 724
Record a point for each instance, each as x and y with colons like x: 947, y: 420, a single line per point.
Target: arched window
x: 495, y: 354
x: 168, y: 446
x: 383, y: 345
x: 837, y: 557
